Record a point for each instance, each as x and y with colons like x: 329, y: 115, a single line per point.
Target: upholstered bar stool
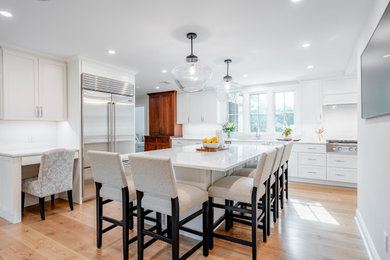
x: 283, y: 179
x: 157, y: 190
x: 112, y: 184
x: 272, y: 197
x: 244, y: 190
x: 55, y: 176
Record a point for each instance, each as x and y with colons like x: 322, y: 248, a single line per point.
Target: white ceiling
x: 263, y: 37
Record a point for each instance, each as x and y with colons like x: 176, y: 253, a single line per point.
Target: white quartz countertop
x: 187, y: 156
x: 25, y: 150
x: 249, y: 140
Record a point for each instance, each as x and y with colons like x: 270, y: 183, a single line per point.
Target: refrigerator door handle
x: 109, y: 129
x: 114, y: 123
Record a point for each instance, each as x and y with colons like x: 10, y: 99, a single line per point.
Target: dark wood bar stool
x: 157, y: 190
x: 246, y: 191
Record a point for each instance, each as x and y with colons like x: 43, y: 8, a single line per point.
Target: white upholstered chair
x: 275, y: 174
x: 284, y: 172
x: 244, y: 190
x: 55, y: 176
x: 157, y: 190
x: 112, y: 184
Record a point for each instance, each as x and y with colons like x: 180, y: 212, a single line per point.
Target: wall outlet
x: 386, y: 239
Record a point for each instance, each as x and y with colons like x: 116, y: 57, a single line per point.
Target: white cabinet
x: 342, y: 161
x: 342, y: 175
x: 293, y: 164
x: 200, y: 107
x: 340, y: 91
x: 316, y: 159
x: 33, y: 88
x: 52, y: 89
x: 20, y: 86
x: 312, y: 172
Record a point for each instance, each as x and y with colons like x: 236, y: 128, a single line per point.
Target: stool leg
x: 125, y: 222
x: 169, y: 224
x: 205, y: 229
x: 42, y: 207
x: 211, y: 223
x: 158, y: 223
x: 23, y: 196
x: 268, y: 206
x: 276, y: 207
x: 140, y: 226
x: 131, y: 226
x: 254, y: 225
x: 282, y: 190
x: 227, y: 217
x: 52, y: 199
x: 175, y: 228
x: 70, y: 199
x: 265, y: 224
x: 99, y: 213
x: 286, y: 181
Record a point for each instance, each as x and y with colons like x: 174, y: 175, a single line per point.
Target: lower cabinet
x: 342, y: 175
x: 157, y: 142
x: 312, y: 172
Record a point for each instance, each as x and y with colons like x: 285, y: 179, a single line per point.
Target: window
x: 235, y: 112
x: 258, y: 112
x: 284, y: 109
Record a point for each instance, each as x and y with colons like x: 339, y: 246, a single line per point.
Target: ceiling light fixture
x: 191, y: 76
x: 245, y: 75
x: 157, y: 87
x: 295, y: 1
x: 112, y: 52
x: 164, y: 71
x: 5, y: 14
x: 386, y: 56
x: 228, y: 86
x: 306, y: 45
x: 310, y: 67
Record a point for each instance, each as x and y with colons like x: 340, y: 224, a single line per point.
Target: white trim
x: 368, y: 243
x: 321, y: 182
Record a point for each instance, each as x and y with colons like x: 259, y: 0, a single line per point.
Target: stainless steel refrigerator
x: 108, y: 121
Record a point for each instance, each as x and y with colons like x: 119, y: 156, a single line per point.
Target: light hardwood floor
x: 317, y: 223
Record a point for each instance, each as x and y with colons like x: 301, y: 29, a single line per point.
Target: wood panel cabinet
x: 157, y: 143
x: 162, y: 114
x: 33, y: 88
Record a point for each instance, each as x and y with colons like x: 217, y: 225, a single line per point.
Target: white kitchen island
x: 204, y: 168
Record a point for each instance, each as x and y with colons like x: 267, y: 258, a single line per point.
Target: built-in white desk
x: 12, y: 161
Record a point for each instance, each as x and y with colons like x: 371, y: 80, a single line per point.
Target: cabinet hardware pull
x: 312, y: 148
x: 312, y: 172
x: 41, y: 111
x: 37, y: 111
x: 339, y: 161
x: 311, y: 159
x: 339, y: 174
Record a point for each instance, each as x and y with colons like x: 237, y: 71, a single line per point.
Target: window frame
x: 266, y: 93
x: 284, y: 107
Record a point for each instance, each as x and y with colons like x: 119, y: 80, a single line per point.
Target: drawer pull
x: 339, y: 161
x: 312, y: 148
x: 312, y: 172
x: 311, y: 159
x: 339, y: 174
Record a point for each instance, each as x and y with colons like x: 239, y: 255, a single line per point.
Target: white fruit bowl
x: 210, y: 145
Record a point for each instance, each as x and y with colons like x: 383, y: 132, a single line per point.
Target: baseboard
x: 368, y: 243
x: 322, y: 182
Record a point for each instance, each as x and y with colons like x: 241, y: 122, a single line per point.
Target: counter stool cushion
x: 113, y: 193
x: 235, y: 188
x: 251, y: 165
x: 245, y: 172
x: 189, y: 197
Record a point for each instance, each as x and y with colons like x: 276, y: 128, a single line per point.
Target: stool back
x: 287, y: 152
x: 264, y: 167
x: 56, y: 171
x: 107, y: 169
x: 153, y: 175
x: 278, y: 157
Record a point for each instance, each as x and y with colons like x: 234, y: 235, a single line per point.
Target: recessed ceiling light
x: 137, y: 86
x: 386, y: 56
x: 295, y: 1
x: 164, y: 71
x: 111, y: 51
x: 310, y: 67
x: 254, y: 82
x: 5, y: 14
x: 157, y: 87
x: 306, y: 45
x: 245, y: 75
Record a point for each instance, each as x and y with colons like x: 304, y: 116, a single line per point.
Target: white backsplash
x: 340, y: 122
x: 28, y: 132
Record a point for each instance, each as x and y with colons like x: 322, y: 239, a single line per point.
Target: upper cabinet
x: 162, y: 114
x: 340, y: 91
x: 199, y: 107
x: 33, y: 88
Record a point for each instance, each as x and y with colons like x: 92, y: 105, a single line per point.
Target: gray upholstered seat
x: 113, y: 193
x: 55, y: 174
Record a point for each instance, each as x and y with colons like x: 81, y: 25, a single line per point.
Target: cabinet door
x: 20, y: 88
x: 209, y: 107
x: 196, y: 111
x: 154, y: 115
x: 52, y: 90
x: 167, y: 115
x: 183, y: 108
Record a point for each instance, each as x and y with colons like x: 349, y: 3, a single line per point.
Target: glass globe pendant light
x: 191, y: 76
x: 228, y: 89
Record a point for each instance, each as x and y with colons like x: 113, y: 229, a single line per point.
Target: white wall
x: 340, y: 122
x: 140, y: 120
x: 373, y: 212
x: 143, y: 101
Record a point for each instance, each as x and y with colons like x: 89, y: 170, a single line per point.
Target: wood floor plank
x: 316, y: 223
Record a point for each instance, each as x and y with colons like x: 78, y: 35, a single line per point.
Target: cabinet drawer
x: 179, y: 142
x: 309, y: 148
x: 342, y: 161
x: 312, y: 172
x: 163, y: 146
x: 316, y: 159
x: 343, y: 175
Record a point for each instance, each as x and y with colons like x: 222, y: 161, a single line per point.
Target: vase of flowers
x: 228, y: 128
x: 287, y: 130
